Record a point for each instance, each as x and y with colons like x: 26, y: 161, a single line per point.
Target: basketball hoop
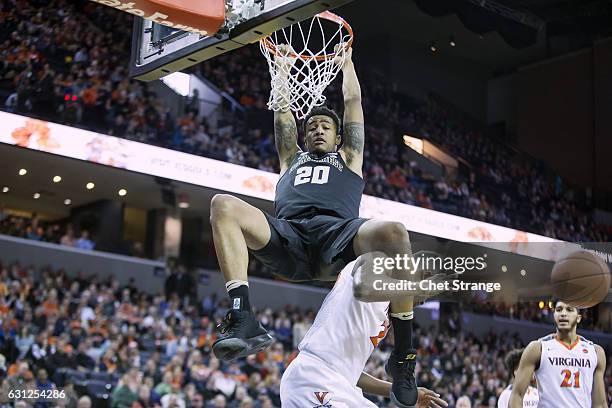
x: 314, y: 52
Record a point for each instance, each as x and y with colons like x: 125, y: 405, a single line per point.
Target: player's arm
x: 374, y: 386
x: 285, y: 128
x: 529, y: 361
x: 353, y: 133
x: 598, y: 395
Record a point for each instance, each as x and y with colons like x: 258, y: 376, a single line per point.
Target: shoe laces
x: 408, y: 364
x: 227, y: 323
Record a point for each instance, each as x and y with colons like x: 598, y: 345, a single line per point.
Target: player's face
x: 566, y: 316
x: 321, y: 135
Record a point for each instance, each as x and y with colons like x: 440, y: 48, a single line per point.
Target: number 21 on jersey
x: 313, y: 175
x: 567, y: 379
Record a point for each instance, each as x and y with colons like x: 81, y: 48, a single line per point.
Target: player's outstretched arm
x: 529, y: 361
x: 353, y: 133
x: 598, y: 395
x: 374, y: 386
x: 285, y: 128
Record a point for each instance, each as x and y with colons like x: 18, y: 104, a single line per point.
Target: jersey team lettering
x: 570, y: 362
x: 30, y: 394
x: 330, y: 159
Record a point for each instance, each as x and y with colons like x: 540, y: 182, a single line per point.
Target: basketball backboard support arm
x: 158, y: 50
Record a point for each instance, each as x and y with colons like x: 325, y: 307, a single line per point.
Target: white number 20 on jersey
x: 313, y: 175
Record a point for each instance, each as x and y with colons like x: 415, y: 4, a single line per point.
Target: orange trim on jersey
x: 381, y: 334
x: 571, y: 346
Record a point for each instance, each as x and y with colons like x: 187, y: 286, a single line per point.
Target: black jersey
x: 319, y: 185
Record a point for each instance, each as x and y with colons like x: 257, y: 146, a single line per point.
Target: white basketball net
x: 300, y: 77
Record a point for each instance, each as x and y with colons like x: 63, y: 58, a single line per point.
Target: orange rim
x: 326, y: 15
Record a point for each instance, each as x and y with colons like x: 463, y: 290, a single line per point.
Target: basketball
x: 582, y: 279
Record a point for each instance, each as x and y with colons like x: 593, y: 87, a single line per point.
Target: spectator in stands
x: 43, y: 383
x: 11, y: 102
x: 84, y: 402
x: 35, y: 234
x: 217, y: 402
x: 68, y: 238
x: 84, y: 242
x: 2, y: 366
x: 24, y: 341
x: 126, y: 343
x: 125, y: 394
x: 174, y: 398
x: 181, y: 283
x: 463, y: 402
x: 197, y: 401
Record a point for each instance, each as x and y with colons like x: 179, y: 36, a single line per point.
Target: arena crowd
x: 61, y: 64
x: 126, y: 348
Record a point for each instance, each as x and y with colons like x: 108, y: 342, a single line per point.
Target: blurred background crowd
x: 127, y: 348
x: 58, y: 63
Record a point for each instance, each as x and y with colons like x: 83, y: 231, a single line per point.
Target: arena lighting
x: 5, y: 189
x: 183, y: 201
x: 541, y: 304
x: 90, y: 185
x: 452, y: 42
x: 23, y: 172
x: 36, y: 196
x: 57, y: 179
x: 179, y: 82
x: 122, y: 192
x: 433, y: 48
x: 414, y: 143
x: 67, y: 201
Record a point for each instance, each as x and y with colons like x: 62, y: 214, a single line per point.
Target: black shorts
x: 306, y: 249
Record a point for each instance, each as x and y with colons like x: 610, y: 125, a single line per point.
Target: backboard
x: 158, y: 50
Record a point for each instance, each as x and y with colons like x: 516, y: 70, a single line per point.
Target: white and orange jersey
x: 345, y: 331
x: 565, y: 373
x: 530, y: 399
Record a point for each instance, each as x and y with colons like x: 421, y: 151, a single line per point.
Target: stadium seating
x: 453, y: 362
x: 78, y: 75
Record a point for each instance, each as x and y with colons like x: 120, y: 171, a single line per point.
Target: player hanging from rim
x: 531, y: 395
x: 317, y: 229
x: 325, y: 376
x: 569, y: 368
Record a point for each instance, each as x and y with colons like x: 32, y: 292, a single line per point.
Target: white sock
x: 403, y: 315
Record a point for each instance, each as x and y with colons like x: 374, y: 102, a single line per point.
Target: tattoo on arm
x: 354, y: 135
x: 285, y: 135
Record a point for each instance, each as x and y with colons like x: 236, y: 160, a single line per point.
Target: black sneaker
x: 404, y: 391
x: 242, y: 335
